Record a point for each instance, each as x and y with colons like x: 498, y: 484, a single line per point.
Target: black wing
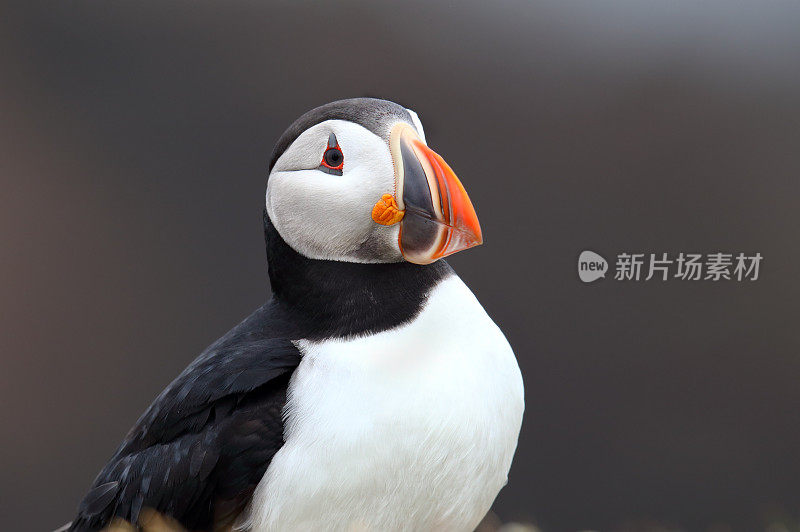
x: 203, y: 445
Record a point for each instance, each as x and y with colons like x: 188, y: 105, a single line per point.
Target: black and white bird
x: 371, y: 392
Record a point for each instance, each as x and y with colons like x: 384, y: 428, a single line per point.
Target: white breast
x: 410, y: 429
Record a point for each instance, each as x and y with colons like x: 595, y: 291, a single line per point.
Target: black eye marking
x: 333, y: 158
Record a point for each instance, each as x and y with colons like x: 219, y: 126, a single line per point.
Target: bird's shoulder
x: 203, y: 445
x: 250, y: 355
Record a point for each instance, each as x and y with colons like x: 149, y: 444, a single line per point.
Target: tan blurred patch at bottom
x: 149, y: 521
x: 153, y: 521
x: 492, y: 523
x: 118, y: 525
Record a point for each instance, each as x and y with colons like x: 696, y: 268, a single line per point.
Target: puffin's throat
x: 333, y: 298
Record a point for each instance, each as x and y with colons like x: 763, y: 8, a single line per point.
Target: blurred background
x: 134, y: 143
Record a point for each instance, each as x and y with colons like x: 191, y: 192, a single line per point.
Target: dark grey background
x: 134, y: 140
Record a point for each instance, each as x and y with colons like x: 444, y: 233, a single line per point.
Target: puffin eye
x: 333, y: 158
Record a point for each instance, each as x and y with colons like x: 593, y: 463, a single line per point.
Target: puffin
x: 371, y: 392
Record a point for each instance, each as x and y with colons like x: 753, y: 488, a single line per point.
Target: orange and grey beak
x: 438, y: 217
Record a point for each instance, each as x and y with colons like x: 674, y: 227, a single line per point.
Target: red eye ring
x: 333, y: 158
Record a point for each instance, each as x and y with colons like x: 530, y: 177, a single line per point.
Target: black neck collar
x: 325, y: 298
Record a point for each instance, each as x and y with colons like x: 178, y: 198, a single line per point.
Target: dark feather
x: 176, y: 458
x: 99, y: 497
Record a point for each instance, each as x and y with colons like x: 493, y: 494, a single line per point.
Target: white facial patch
x: 325, y: 216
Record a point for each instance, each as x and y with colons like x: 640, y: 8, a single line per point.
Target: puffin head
x: 355, y: 181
